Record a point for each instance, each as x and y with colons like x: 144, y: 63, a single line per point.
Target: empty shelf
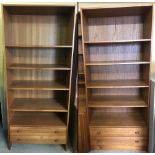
x: 37, y: 119
x: 117, y: 84
x: 40, y: 85
x: 116, y: 101
x: 117, y: 119
x: 39, y: 66
x: 38, y: 104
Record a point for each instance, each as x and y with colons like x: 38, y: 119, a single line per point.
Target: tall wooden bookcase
x: 38, y: 51
x: 117, y: 49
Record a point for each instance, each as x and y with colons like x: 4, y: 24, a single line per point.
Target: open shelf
x: 38, y: 66
x: 117, y: 119
x: 120, y: 76
x: 38, y: 105
x: 33, y: 119
x: 116, y: 101
x: 38, y: 85
x: 109, y: 25
x: 117, y: 84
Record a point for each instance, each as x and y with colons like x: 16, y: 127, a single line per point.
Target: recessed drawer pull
x: 136, y: 132
x: 56, y: 132
x: 136, y: 141
x: 98, y: 133
x: 56, y: 140
x: 18, y: 139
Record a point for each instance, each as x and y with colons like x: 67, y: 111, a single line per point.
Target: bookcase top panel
x: 39, y: 10
x: 120, y: 11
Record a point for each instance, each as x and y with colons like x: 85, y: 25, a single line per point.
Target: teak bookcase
x: 38, y: 49
x: 117, y: 49
x: 82, y: 114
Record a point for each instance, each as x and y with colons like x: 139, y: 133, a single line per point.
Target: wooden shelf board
x: 33, y: 119
x: 39, y: 85
x: 116, y: 41
x: 39, y: 46
x: 38, y: 66
x: 117, y: 84
x: 115, y: 63
x: 116, y: 101
x: 117, y: 119
x: 37, y: 104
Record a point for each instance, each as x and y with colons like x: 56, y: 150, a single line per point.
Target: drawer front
x: 37, y: 135
x: 118, y: 132
x: 119, y: 143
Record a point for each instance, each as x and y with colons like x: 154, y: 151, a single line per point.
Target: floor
x: 29, y: 148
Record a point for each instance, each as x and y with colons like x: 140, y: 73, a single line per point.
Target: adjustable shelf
x: 38, y: 54
x: 117, y: 49
x: 117, y: 84
x: 38, y: 66
x: 39, y: 85
x: 116, y: 101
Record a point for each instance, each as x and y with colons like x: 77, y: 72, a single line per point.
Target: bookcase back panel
x: 116, y: 91
x: 29, y: 119
x: 41, y: 30
x: 115, y: 28
x: 118, y: 52
x: 39, y: 56
x: 38, y: 100
x: 40, y: 75
x: 117, y: 72
x: 39, y: 94
x: 111, y: 24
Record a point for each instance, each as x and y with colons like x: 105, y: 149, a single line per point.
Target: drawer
x: 118, y: 132
x: 119, y: 143
x: 37, y: 135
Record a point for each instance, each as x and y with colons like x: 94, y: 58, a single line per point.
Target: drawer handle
x: 18, y: 139
x: 136, y: 132
x: 136, y: 141
x: 55, y: 140
x: 56, y: 132
x: 98, y: 133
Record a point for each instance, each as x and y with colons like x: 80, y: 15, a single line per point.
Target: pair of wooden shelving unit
x: 39, y: 43
x: 117, y: 49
